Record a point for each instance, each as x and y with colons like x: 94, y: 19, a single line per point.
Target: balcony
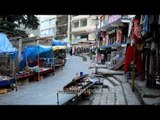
x: 79, y: 29
x: 76, y: 41
x: 79, y: 17
x: 83, y: 40
x: 60, y: 22
x: 61, y: 35
x: 59, y: 16
x: 62, y: 25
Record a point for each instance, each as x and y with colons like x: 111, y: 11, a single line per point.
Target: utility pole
x: 69, y: 28
x: 38, y: 61
x: 97, y: 46
x: 19, y: 53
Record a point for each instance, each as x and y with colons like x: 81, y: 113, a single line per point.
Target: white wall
x: 47, y: 25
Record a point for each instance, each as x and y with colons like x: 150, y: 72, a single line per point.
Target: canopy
x: 32, y: 52
x: 7, y: 47
x: 58, y: 43
x: 58, y: 48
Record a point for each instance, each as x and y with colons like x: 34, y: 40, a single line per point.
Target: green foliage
x: 11, y: 22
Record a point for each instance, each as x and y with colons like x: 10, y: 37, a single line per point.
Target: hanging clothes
x: 137, y: 47
x: 138, y: 61
x: 128, y: 58
x: 145, y: 26
x: 136, y: 31
x: 119, y: 35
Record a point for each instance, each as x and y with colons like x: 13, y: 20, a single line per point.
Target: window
x: 75, y: 24
x: 44, y: 23
x: 45, y: 33
x: 52, y: 21
x: 83, y: 22
x: 84, y: 36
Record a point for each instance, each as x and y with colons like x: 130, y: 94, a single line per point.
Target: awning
x: 110, y: 46
x: 109, y: 25
x: 7, y: 47
x: 58, y: 48
x: 114, y: 24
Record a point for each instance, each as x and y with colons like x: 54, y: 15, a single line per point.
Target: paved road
x: 44, y: 92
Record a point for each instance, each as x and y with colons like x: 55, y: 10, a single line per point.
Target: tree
x: 11, y: 22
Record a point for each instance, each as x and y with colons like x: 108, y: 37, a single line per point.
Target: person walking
x: 70, y: 51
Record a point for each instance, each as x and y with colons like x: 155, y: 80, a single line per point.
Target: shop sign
x: 114, y: 18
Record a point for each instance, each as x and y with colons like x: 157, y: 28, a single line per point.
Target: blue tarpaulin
x: 58, y: 43
x: 7, y: 47
x: 32, y: 52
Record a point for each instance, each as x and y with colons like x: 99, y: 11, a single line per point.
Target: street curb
x: 137, y: 92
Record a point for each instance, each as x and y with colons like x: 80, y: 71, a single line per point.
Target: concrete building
x: 82, y: 27
x: 61, y: 27
x: 47, y: 25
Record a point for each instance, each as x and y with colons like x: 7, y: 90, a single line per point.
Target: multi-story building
x: 61, y: 27
x: 82, y: 27
x: 48, y: 26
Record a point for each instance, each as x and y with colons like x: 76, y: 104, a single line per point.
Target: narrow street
x: 116, y: 92
x: 44, y: 92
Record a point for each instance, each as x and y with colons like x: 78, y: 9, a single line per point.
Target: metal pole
x: 69, y: 25
x: 38, y: 61
x: 19, y: 53
x: 97, y: 46
x: 57, y: 98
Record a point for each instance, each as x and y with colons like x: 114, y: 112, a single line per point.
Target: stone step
x: 111, y: 98
x: 114, y: 81
x: 121, y: 78
x: 120, y: 100
x: 106, y: 82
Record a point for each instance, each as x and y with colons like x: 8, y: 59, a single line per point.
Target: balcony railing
x: 79, y: 29
x: 59, y: 16
x: 62, y: 25
x: 61, y: 35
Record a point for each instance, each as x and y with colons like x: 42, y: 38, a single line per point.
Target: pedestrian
x: 102, y: 59
x: 70, y: 51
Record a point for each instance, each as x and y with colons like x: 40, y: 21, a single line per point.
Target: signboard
x: 114, y: 18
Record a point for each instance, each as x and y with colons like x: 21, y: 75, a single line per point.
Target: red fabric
x: 128, y: 58
x: 138, y: 61
x: 136, y: 36
x: 139, y: 64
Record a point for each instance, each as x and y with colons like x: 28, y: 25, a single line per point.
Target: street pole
x: 19, y: 53
x: 97, y: 46
x: 69, y: 28
x: 38, y: 61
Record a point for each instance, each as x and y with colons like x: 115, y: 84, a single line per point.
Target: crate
x: 25, y: 81
x: 3, y: 90
x: 41, y: 77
